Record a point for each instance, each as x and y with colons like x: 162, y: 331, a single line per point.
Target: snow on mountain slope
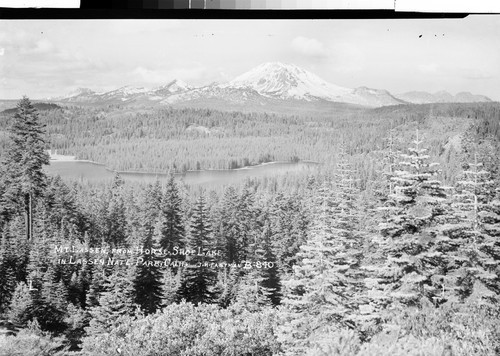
x: 124, y: 93
x: 175, y: 86
x: 236, y: 95
x: 286, y: 81
x: 78, y: 95
x: 372, y: 97
x: 269, y: 83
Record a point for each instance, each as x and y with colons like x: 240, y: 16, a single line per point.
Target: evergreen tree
x: 476, y: 258
x: 59, y: 201
x: 96, y: 288
x: 170, y: 285
x: 9, y: 202
x: 41, y: 248
x: 114, y: 223
x: 261, y: 285
x: 414, y: 263
x: 325, y: 291
x: 199, y: 278
x: 171, y: 218
x: 115, y: 301
x: 20, y: 247
x: 147, y: 281
x: 289, y: 227
x: 246, y: 218
x: 228, y: 286
x: 20, y: 304
x: 42, y: 299
x: 25, y: 158
x: 7, y: 272
x: 250, y: 294
x: 49, y: 306
x: 271, y: 281
x: 84, y: 277
x: 229, y: 226
x: 307, y: 281
x: 390, y: 165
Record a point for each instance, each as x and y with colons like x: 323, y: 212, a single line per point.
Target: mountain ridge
x: 442, y: 96
x: 273, y: 81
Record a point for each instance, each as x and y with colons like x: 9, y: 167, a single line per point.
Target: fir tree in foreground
x: 113, y: 221
x: 260, y: 286
x: 147, y: 281
x: 412, y: 237
x: 171, y: 218
x: 7, y: 271
x: 116, y: 301
x: 199, y: 278
x: 24, y: 161
x: 324, y: 291
x: 477, y: 232
x: 229, y: 228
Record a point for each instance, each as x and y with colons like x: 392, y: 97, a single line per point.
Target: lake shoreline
x: 94, y: 172
x: 181, y: 173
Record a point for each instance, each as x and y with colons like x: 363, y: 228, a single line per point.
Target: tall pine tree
x: 171, y: 219
x: 24, y: 160
x: 199, y: 278
x: 477, y: 233
x: 324, y: 291
x: 148, y: 275
x: 414, y: 263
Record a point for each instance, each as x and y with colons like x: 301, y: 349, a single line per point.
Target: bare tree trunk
x: 27, y: 215
x: 31, y: 216
x: 28, y: 212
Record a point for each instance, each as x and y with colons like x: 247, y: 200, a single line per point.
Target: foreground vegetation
x: 382, y: 253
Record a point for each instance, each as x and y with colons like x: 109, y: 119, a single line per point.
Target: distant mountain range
x: 269, y: 84
x: 422, y: 97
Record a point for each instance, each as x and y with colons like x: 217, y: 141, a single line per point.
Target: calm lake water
x: 93, y: 172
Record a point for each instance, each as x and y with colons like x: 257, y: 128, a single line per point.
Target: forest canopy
x: 393, y: 248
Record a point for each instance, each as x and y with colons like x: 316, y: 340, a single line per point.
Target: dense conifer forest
x: 392, y: 248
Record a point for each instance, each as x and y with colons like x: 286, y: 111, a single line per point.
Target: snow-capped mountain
x: 286, y: 81
x: 272, y: 84
x: 78, y: 95
x: 174, y: 87
x: 123, y: 94
x: 422, y: 97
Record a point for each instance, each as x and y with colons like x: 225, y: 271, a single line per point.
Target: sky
x: 46, y: 58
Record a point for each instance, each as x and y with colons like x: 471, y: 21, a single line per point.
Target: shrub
x: 32, y: 342
x: 185, y: 330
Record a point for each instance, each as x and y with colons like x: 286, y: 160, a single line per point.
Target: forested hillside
x: 159, y: 140
x: 392, y: 249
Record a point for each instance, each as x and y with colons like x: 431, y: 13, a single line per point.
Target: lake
x: 94, y: 172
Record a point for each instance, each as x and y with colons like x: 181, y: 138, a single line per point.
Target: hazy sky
x: 48, y: 58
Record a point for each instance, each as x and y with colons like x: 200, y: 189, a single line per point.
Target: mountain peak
x: 286, y: 81
x: 278, y: 66
x: 174, y: 86
x: 130, y: 90
x: 270, y: 82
